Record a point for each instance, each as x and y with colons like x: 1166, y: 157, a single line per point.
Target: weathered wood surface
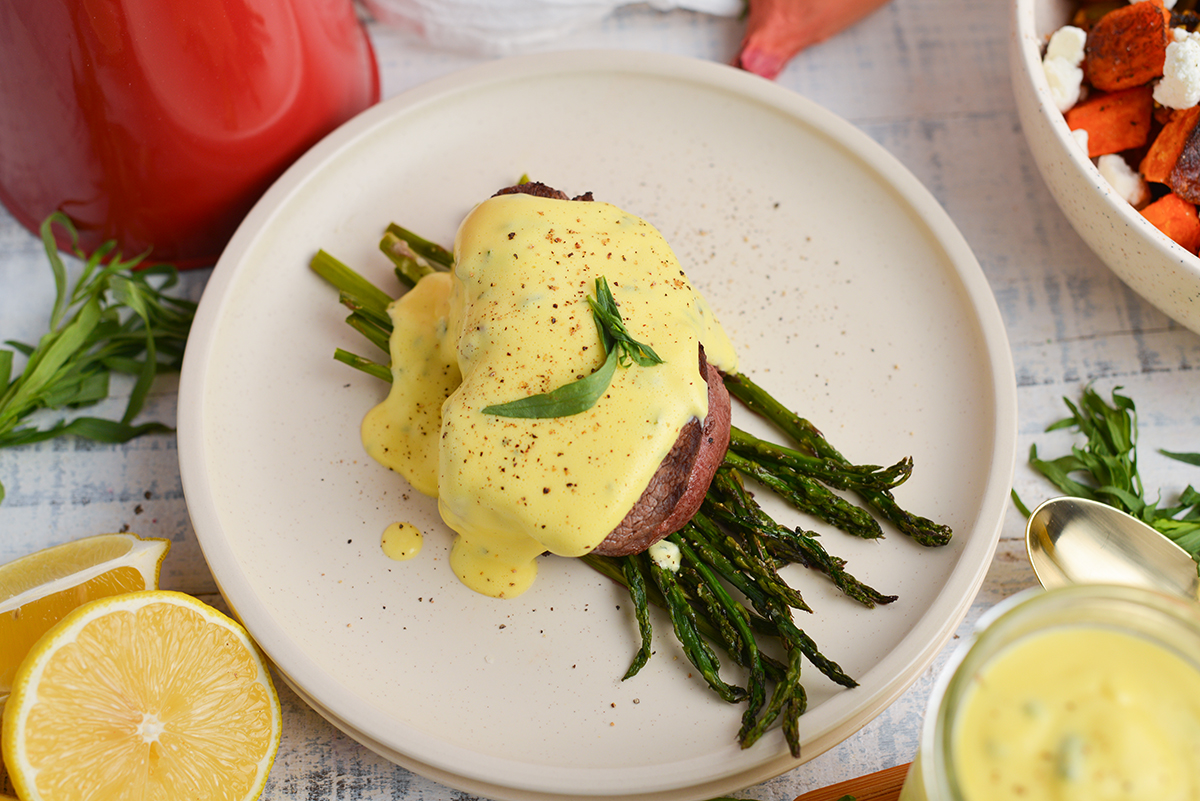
x: 929, y: 81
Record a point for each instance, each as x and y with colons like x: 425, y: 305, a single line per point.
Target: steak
x: 538, y: 189
x: 678, y: 487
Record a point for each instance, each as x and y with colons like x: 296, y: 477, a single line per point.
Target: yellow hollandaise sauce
x: 401, y: 541
x: 404, y: 431
x: 511, y: 321
x: 1081, y: 714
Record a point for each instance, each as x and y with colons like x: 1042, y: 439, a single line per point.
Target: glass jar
x: 939, y: 771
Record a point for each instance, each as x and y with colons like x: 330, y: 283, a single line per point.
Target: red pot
x: 159, y: 123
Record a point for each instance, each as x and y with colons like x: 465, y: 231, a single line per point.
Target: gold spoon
x: 1077, y: 541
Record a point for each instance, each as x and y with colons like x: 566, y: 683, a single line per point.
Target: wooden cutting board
x: 883, y: 785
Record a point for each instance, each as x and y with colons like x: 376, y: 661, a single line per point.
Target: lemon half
x: 152, y: 695
x: 38, y: 590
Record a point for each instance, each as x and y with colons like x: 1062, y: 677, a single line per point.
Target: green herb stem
x: 115, y: 319
x: 1105, y: 468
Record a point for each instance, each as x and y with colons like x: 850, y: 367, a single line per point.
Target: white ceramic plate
x: 849, y: 292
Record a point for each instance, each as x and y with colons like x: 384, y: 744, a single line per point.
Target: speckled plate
x: 849, y: 293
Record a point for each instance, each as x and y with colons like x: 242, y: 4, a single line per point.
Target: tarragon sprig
x: 578, y: 396
x: 1105, y: 468
x: 114, y: 320
x: 613, y: 331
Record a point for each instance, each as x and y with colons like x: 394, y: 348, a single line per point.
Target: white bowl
x: 1154, y: 266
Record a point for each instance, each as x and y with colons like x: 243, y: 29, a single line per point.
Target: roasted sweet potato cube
x: 1128, y: 46
x: 1184, y: 178
x: 1089, y: 12
x: 1115, y: 121
x: 1176, y: 218
x: 1165, y: 149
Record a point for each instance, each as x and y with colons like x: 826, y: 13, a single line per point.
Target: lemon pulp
x: 38, y: 590
x: 150, y: 695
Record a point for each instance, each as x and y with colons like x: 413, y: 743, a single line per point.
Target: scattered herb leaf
x: 114, y: 320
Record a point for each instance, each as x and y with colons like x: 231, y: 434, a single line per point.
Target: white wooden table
x: 927, y: 79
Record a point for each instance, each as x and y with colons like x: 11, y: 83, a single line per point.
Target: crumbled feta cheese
x: 1065, y: 81
x: 666, y: 555
x: 1121, y: 177
x: 1180, y: 83
x: 1080, y: 135
x: 1064, y: 54
x: 1166, y: 3
x: 1067, y: 42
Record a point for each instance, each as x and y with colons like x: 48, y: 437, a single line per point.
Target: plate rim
x: 242, y: 596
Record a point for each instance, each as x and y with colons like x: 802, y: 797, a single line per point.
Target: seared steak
x: 678, y: 486
x: 541, y: 190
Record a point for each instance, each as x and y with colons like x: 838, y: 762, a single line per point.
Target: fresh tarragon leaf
x: 1105, y: 469
x: 613, y: 330
x: 580, y: 395
x: 116, y: 319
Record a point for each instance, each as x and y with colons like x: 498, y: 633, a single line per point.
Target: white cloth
x: 502, y: 27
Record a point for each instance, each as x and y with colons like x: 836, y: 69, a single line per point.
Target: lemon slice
x: 38, y: 590
x: 150, y: 695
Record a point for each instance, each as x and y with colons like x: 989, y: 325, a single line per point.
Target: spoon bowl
x: 1078, y: 541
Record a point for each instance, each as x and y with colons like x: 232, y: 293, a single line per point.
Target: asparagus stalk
x: 740, y: 637
x: 810, y: 496
x: 636, y: 582
x: 409, y: 270
x: 732, y: 505
x: 922, y: 530
x: 776, y: 618
x: 833, y: 472
x: 436, y: 255
x: 683, y: 620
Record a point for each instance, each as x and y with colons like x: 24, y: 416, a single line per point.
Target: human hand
x: 776, y: 30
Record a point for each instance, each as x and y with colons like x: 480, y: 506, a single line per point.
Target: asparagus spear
x: 922, y: 530
x: 732, y: 505
x: 683, y: 620
x: 741, y: 639
x: 636, y: 583
x: 810, y: 496
x: 833, y: 472
x: 436, y: 255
